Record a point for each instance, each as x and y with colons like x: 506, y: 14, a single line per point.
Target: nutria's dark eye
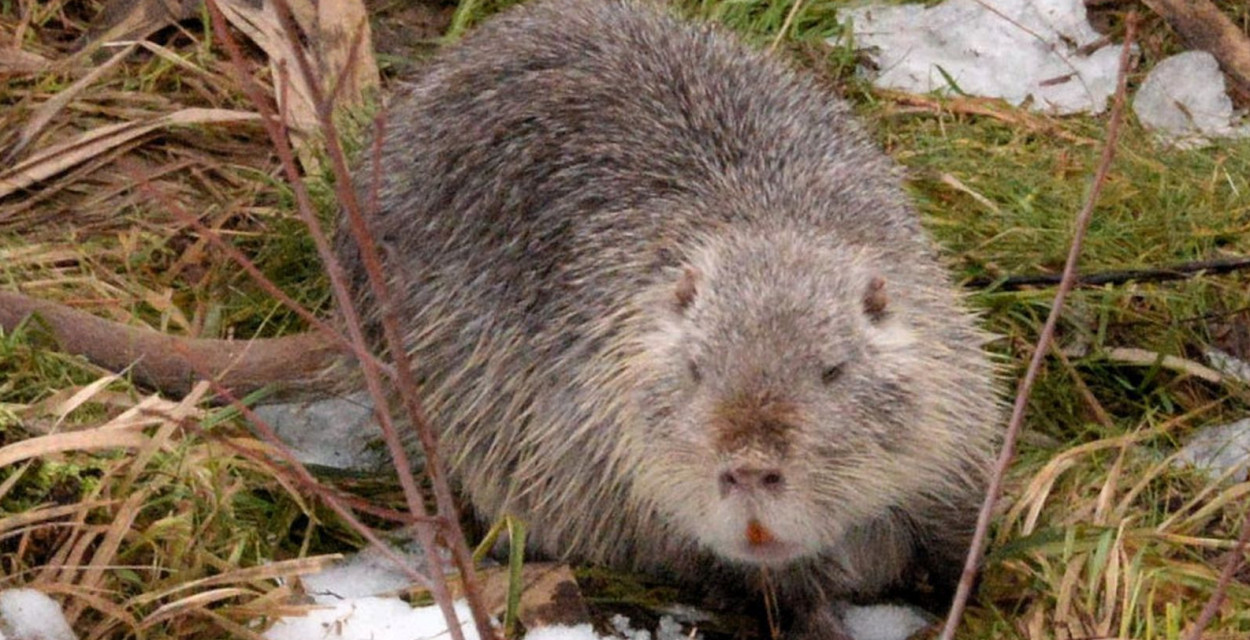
x: 695, y: 374
x: 831, y: 374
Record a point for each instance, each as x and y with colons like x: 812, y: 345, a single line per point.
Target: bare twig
x: 295, y: 470
x: 1174, y: 272
x: 351, y: 318
x: 977, y: 550
x: 1226, y: 577
x: 406, y: 383
x: 353, y: 323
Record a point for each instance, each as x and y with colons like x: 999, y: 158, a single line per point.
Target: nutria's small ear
x: 875, y: 299
x: 687, y: 288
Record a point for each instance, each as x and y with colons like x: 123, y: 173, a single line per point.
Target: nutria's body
x: 670, y: 306
x: 644, y: 267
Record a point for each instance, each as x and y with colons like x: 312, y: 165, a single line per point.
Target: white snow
x: 686, y: 613
x: 580, y: 632
x: 1228, y: 364
x: 377, y: 618
x: 1185, y: 99
x: 371, y: 619
x: 669, y: 629
x: 353, y: 610
x: 356, y: 610
x: 1011, y: 49
x: 27, y: 614
x: 883, y: 622
x: 1219, y: 449
x: 368, y: 573
x: 874, y: 622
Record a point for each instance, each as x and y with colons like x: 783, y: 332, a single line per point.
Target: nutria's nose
x: 751, y: 480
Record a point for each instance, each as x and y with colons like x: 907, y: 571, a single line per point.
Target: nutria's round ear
x: 876, y: 300
x: 687, y: 288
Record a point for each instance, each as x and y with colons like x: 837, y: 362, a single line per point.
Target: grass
x: 1099, y: 534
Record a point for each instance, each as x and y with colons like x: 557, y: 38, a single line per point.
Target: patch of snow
x: 1011, y: 49
x: 883, y: 622
x: 1219, y: 449
x: 669, y: 629
x: 372, y: 619
x: 558, y: 632
x: 625, y: 630
x: 332, y: 432
x: 686, y: 613
x: 1228, y: 364
x: 27, y: 614
x: 352, y: 593
x: 367, y: 573
x: 1184, y: 98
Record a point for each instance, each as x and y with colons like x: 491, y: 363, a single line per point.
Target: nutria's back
x: 670, y: 305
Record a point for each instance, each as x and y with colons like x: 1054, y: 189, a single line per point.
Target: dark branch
x: 1162, y: 274
x: 976, y: 551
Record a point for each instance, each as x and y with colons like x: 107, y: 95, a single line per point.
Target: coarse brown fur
x: 669, y: 305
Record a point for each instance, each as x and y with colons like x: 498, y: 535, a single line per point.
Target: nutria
x: 670, y: 306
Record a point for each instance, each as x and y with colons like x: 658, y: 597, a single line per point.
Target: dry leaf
x: 549, y: 597
x: 331, y: 28
x: 92, y: 440
x: 60, y: 157
x: 46, y: 111
x: 344, y: 26
x: 17, y: 62
x: 136, y: 19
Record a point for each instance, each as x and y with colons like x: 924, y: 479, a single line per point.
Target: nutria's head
x: 789, y: 397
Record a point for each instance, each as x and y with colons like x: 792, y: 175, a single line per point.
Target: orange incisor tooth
x: 758, y: 534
